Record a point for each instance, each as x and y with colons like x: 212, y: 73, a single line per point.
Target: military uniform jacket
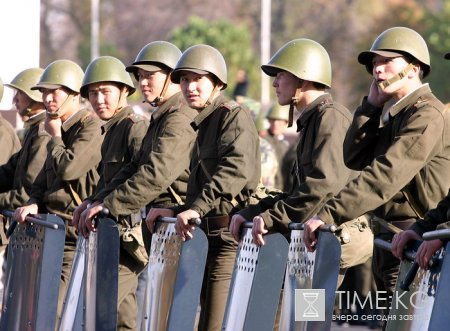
x: 9, y: 141
x: 319, y: 171
x: 123, y: 136
x: 435, y: 218
x: 404, y: 163
x: 72, y: 162
x: 19, y: 173
x: 226, y: 163
x: 160, y: 168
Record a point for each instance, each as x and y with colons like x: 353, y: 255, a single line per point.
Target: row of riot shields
x: 282, y: 269
x: 33, y: 276
x: 421, y: 296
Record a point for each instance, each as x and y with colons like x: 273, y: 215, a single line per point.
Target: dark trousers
x: 217, y: 279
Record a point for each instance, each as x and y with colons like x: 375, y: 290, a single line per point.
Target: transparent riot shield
x: 91, y: 298
x: 305, y: 270
x: 256, y: 282
x: 33, y: 274
x: 440, y: 319
x: 175, y: 275
x: 415, y: 290
x: 72, y: 314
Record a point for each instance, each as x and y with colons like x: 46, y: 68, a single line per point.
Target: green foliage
x: 437, y: 35
x: 234, y: 42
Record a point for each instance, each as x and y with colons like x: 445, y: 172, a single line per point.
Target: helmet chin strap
x: 292, y: 104
x: 59, y: 113
x: 397, y: 77
x: 27, y: 110
x: 211, y: 96
x: 157, y: 101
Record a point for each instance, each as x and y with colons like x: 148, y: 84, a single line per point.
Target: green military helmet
x: 304, y: 58
x: 202, y: 59
x: 261, y: 123
x: 278, y: 112
x: 25, y: 80
x: 398, y: 41
x: 106, y: 69
x: 60, y: 73
x: 155, y: 56
x: 1, y: 89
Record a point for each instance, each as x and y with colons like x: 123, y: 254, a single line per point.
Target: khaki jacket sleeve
x: 169, y: 158
x: 36, y: 158
x: 325, y: 177
x: 238, y: 152
x: 434, y: 218
x: 7, y: 174
x: 415, y: 143
x: 361, y: 136
x: 73, y: 162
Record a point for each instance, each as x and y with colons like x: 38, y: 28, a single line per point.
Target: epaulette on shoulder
x: 135, y: 117
x: 231, y: 105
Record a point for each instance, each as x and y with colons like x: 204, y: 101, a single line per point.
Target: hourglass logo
x: 310, y: 305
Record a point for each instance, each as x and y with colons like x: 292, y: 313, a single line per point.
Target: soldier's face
x: 105, y: 99
x: 196, y: 88
x: 151, y: 83
x: 54, y: 99
x: 21, y: 101
x: 285, y: 85
x: 387, y: 67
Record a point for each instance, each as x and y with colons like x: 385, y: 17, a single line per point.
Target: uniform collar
x: 411, y: 98
x: 126, y: 111
x: 72, y: 120
x: 308, y: 111
x: 35, y: 119
x: 208, y: 110
x: 172, y: 102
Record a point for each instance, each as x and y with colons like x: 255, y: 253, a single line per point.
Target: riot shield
x: 256, y: 282
x: 72, y: 313
x: 310, y: 270
x: 414, y: 293
x: 175, y: 275
x: 33, y: 274
x: 91, y: 298
x: 440, y: 320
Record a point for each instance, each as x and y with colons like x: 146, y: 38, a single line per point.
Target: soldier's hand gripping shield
x: 309, y: 272
x: 415, y: 290
x: 33, y: 274
x: 256, y: 282
x: 440, y: 320
x: 91, y: 299
x: 175, y: 276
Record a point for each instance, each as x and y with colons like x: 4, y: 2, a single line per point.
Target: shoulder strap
x: 74, y: 194
x: 417, y: 210
x: 176, y: 196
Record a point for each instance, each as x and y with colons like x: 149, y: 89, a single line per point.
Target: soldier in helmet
x: 18, y: 174
x: 302, y: 71
x: 107, y: 85
x: 435, y: 219
x: 168, y: 143
x: 225, y: 171
x: 9, y: 141
x: 69, y: 174
x: 404, y: 159
x: 278, y: 117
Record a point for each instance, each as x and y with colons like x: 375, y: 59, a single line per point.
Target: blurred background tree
x: 343, y: 27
